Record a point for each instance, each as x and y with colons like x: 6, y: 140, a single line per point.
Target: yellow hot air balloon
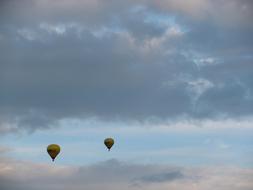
x: 53, y: 150
x: 109, y: 143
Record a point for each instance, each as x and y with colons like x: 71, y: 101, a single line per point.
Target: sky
x: 170, y: 80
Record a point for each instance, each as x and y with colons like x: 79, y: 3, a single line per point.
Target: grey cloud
x: 230, y: 13
x: 112, y: 79
x: 105, y: 60
x: 89, y: 12
x: 170, y: 176
x: 4, y: 149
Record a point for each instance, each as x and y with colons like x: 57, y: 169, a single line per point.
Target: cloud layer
x: 132, y: 60
x: 113, y: 174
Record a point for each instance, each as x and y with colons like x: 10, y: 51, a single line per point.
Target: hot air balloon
x: 109, y: 143
x: 53, y: 150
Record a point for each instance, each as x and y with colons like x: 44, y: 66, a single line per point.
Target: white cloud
x: 113, y: 174
x: 205, y: 61
x: 199, y: 86
x: 107, y: 31
x: 61, y: 29
x: 195, y: 86
x: 57, y: 29
x: 28, y: 34
x: 157, y: 43
x: 96, y: 126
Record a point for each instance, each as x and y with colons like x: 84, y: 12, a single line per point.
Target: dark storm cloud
x: 111, y: 60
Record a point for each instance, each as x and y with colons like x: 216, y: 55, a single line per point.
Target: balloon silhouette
x: 109, y: 143
x: 53, y: 150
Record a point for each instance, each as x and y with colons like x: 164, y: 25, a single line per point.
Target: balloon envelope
x: 109, y: 143
x: 53, y: 150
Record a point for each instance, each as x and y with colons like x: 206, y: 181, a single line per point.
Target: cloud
x: 4, y: 149
x: 113, y: 61
x: 221, y: 12
x: 163, y: 177
x: 114, y: 174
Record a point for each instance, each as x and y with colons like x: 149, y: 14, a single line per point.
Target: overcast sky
x: 170, y: 80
